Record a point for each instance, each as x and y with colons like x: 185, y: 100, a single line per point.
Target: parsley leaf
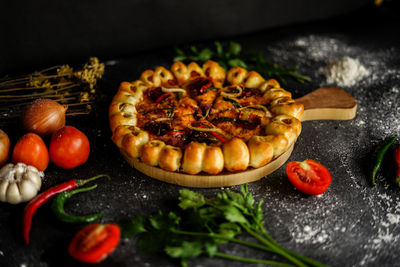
x: 189, y: 199
x: 200, y: 225
x: 133, y: 227
x: 186, y: 250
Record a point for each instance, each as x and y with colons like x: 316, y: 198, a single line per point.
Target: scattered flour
x: 345, y: 71
x: 313, y: 236
x: 372, y: 77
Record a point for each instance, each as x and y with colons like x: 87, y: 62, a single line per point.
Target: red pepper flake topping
x: 199, y: 86
x: 162, y: 97
x: 204, y: 88
x: 219, y: 137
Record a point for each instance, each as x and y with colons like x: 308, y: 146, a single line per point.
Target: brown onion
x: 43, y: 117
x: 4, y: 147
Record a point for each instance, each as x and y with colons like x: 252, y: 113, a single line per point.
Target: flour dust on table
x: 371, y: 75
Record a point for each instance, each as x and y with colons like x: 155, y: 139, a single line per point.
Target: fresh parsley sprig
x: 201, y: 225
x: 231, y: 56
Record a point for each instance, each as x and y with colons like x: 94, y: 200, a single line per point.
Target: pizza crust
x: 281, y: 127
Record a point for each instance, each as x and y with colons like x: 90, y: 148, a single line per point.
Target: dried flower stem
x: 60, y: 83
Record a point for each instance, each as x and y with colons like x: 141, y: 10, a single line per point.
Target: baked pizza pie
x: 204, y: 120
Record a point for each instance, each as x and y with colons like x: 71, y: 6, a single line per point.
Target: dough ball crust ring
x: 203, y: 120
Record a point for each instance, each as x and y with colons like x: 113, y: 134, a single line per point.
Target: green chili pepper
x: 379, y: 157
x: 58, y: 207
x: 179, y: 95
x: 223, y: 119
x: 233, y: 101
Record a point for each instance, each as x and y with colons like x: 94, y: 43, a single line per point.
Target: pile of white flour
x: 345, y: 71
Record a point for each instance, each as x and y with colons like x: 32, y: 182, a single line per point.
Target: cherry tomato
x: 69, y: 147
x: 94, y: 242
x: 309, y: 176
x: 4, y: 147
x: 31, y: 150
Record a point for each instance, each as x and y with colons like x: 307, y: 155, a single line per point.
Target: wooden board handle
x: 328, y: 103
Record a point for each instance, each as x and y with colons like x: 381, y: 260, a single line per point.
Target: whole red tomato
x: 31, y: 150
x: 69, y: 147
x: 4, y: 147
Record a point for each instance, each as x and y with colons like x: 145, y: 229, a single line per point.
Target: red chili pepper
x: 208, y: 85
x: 42, y: 198
x: 220, y: 138
x: 162, y: 97
x: 397, y: 160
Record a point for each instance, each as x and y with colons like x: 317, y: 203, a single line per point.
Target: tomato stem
x: 304, y: 165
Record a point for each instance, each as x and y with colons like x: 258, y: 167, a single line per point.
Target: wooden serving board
x: 328, y: 103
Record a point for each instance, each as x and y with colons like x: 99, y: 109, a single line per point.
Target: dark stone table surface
x: 351, y: 224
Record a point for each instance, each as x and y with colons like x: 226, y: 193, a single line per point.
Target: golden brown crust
x: 215, y: 71
x: 200, y: 157
x: 283, y: 125
x: 180, y: 72
x: 236, y: 75
x: 236, y: 155
x: 194, y: 70
x: 275, y: 93
x: 276, y: 131
x: 269, y: 84
x: 279, y: 143
x: 286, y: 105
x: 213, y: 160
x: 253, y: 80
x: 150, y: 152
x: 170, y: 158
x: 150, y: 79
x: 261, y: 151
x: 165, y: 76
x: 133, y: 141
x: 193, y: 157
x: 121, y: 119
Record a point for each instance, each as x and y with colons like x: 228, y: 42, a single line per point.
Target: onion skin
x: 43, y: 117
x: 4, y: 147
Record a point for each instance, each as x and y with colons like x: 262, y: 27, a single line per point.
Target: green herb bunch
x: 201, y: 225
x: 231, y: 56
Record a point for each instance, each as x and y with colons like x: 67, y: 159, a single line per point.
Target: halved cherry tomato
x: 69, y: 147
x: 94, y: 242
x: 309, y: 176
x: 31, y: 150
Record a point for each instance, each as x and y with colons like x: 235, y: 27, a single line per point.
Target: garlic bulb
x: 19, y: 183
